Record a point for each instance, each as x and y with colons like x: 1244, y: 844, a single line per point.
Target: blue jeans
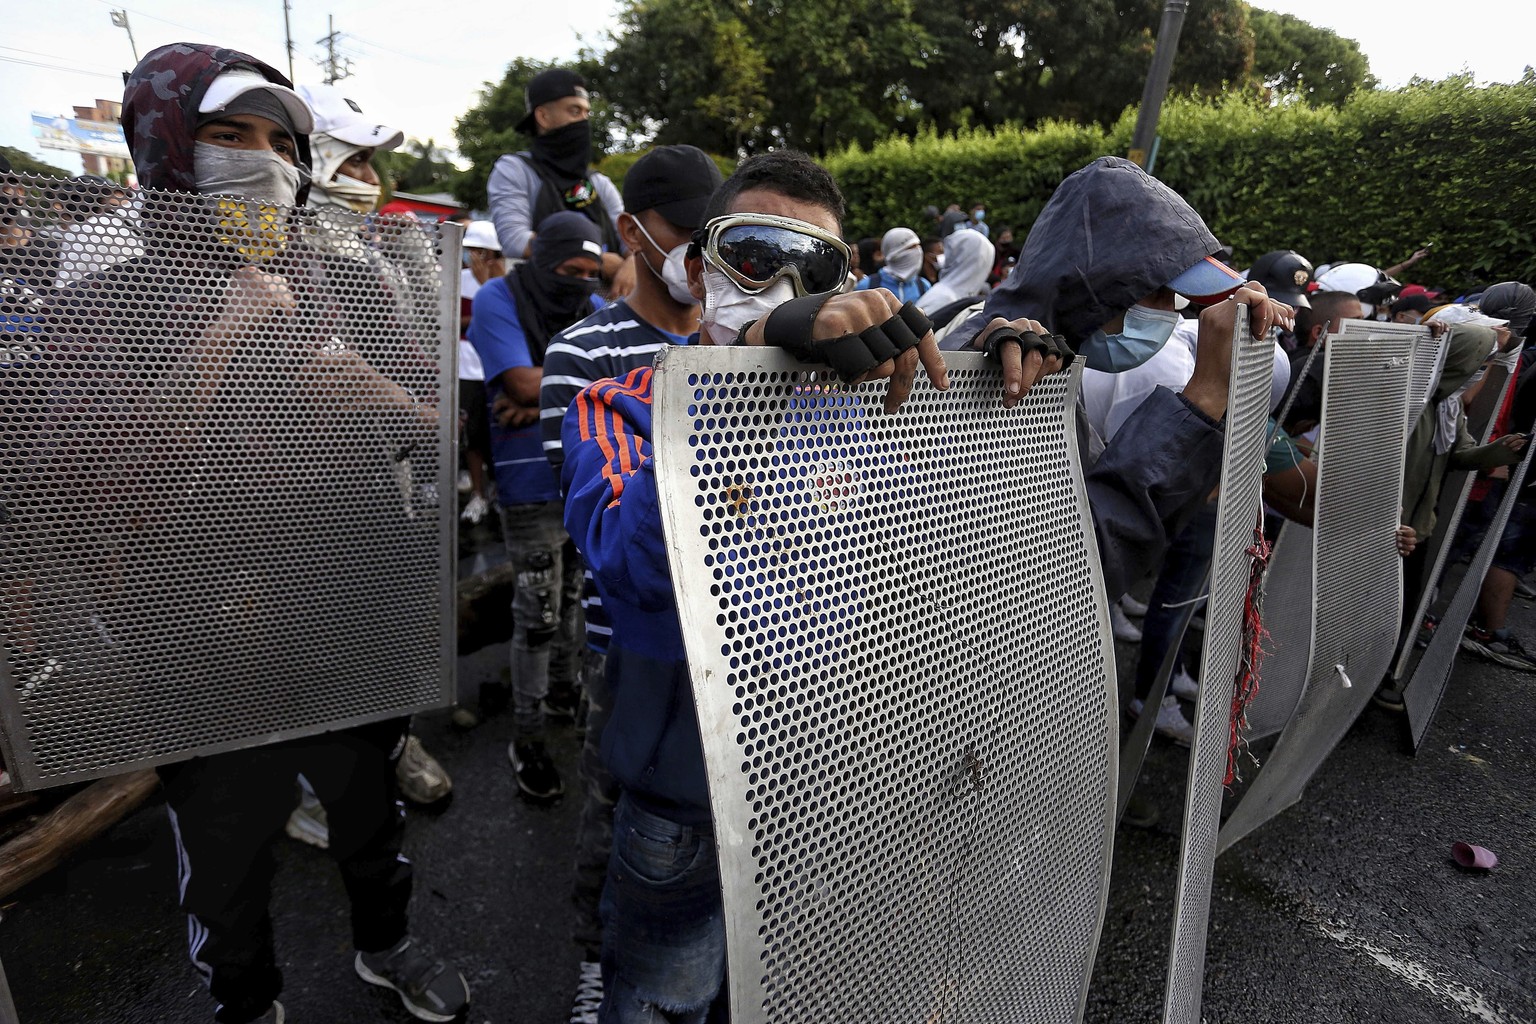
x: 1183, y: 577
x: 664, y: 924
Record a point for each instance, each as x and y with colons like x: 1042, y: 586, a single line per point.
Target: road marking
x: 1468, y: 1000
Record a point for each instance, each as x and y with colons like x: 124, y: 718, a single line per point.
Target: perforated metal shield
x: 904, y: 679
x: 1454, y: 492
x: 1357, y: 575
x: 1427, y: 361
x: 1426, y: 688
x: 228, y: 431
x: 1288, y: 608
x: 1239, y: 524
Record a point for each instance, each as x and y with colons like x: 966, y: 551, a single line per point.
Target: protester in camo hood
x: 345, y: 141
x: 184, y: 101
x: 229, y: 344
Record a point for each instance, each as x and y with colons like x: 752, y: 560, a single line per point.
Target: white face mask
x: 674, y: 271
x: 727, y: 309
x: 344, y: 190
x: 245, y: 174
x: 906, y: 263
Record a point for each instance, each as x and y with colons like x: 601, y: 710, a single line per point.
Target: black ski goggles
x: 755, y: 250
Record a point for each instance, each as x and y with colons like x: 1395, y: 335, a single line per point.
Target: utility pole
x: 1157, y: 80
x: 336, y: 68
x: 288, y: 35
x: 120, y: 19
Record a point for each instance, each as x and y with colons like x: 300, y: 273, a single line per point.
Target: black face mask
x: 565, y: 152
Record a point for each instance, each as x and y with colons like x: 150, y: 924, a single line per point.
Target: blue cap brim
x: 1208, y: 281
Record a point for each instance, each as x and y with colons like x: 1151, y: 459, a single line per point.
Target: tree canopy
x: 24, y: 163
x: 739, y: 76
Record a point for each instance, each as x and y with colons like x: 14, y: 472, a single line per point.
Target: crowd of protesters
x: 571, y: 287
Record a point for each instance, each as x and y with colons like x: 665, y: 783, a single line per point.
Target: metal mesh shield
x: 1288, y: 611
x: 1426, y: 688
x: 1288, y: 587
x: 1238, y: 517
x: 903, y: 674
x: 1357, y: 571
x: 1481, y: 419
x: 227, y: 431
x: 1428, y: 357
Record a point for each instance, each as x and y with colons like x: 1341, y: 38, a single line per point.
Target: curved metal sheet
x: 1239, y: 520
x: 224, y: 431
x: 1482, y: 417
x: 1426, y: 689
x: 1428, y: 357
x: 1288, y: 609
x: 1357, y: 575
x: 904, y: 680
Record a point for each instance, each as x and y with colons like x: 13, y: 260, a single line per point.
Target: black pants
x: 227, y: 811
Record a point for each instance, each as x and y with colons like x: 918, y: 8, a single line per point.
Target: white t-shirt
x: 470, y: 367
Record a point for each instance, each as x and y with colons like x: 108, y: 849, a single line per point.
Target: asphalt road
x: 1346, y: 908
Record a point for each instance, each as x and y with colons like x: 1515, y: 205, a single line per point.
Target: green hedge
x: 1444, y: 163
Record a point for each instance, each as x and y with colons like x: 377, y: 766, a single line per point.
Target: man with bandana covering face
x: 514, y: 318
x: 553, y: 174
x: 216, y: 293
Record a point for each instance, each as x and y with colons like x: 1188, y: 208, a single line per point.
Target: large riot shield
x: 1426, y: 687
x: 1482, y: 418
x: 1239, y: 533
x: 1357, y: 572
x: 903, y: 674
x: 226, y: 438
x: 1288, y: 588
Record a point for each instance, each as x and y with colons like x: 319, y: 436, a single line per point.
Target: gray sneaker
x: 308, y: 822
x: 430, y: 989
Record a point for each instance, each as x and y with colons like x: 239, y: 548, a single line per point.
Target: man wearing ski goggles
x: 776, y: 278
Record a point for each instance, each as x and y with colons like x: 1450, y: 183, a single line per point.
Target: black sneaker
x: 430, y: 989
x: 1505, y: 650
x: 1426, y: 632
x: 536, y: 775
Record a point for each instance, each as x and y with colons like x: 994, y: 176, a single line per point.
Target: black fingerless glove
x: 791, y: 327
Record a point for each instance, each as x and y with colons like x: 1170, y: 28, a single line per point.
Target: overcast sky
x: 418, y: 75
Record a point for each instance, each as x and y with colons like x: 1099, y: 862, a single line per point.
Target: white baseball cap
x: 481, y: 234
x: 226, y: 87
x: 341, y: 118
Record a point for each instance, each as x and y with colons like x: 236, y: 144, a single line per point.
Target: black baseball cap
x: 1285, y: 275
x: 675, y: 181
x: 546, y: 87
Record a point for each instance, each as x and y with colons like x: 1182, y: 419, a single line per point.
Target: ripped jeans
x: 663, y: 923
x: 546, y: 614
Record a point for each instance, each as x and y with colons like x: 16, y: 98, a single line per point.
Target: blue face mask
x: 1145, y: 332
x: 979, y: 214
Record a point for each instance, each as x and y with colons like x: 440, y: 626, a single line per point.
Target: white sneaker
x: 589, y: 994
x: 1122, y: 627
x: 465, y: 483
x: 1184, y: 685
x: 477, y: 509
x: 1132, y: 607
x: 1170, y: 720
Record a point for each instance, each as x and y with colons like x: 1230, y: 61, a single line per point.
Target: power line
x: 58, y: 67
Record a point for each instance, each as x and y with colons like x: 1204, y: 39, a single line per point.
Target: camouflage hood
x: 160, y: 110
